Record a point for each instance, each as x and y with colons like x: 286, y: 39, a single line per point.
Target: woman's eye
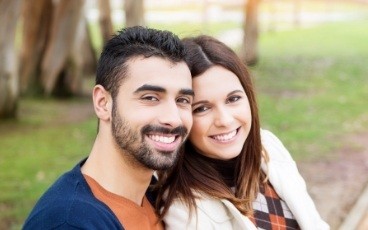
x: 233, y: 99
x: 200, y: 109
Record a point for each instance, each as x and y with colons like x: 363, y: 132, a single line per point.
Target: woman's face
x: 221, y: 114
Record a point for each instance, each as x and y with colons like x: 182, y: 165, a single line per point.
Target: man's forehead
x: 157, y: 72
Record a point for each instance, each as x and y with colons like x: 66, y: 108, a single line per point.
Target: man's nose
x: 170, y: 115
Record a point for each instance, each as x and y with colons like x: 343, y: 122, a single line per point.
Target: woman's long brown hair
x: 192, y: 175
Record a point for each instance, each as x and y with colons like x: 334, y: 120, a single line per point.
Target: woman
x: 233, y: 175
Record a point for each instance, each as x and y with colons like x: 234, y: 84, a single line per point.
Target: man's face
x: 152, y: 115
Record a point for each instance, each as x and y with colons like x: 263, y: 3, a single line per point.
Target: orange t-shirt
x: 130, y: 215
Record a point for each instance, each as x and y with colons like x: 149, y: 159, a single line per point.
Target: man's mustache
x: 180, y: 130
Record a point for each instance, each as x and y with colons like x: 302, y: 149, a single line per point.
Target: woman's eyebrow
x: 206, y: 101
x: 235, y: 91
x: 200, y: 102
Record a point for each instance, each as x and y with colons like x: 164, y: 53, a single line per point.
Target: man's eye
x: 200, y: 109
x: 233, y: 99
x: 150, y: 98
x: 183, y: 100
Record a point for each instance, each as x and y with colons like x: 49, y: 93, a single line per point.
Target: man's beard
x: 134, y: 144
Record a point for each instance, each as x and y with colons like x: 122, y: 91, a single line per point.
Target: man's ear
x: 102, y: 102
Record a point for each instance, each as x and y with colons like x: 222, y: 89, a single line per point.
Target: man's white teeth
x: 225, y: 137
x: 166, y: 140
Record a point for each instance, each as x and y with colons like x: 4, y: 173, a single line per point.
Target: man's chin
x: 167, y: 163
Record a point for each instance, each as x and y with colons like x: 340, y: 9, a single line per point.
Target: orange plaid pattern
x: 272, y: 213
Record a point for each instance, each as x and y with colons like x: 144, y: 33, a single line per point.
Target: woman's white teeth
x: 225, y: 137
x: 166, y: 140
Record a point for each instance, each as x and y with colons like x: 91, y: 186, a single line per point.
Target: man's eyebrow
x: 160, y: 89
x: 150, y: 88
x: 187, y: 92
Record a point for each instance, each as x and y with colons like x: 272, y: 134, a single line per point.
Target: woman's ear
x: 102, y: 103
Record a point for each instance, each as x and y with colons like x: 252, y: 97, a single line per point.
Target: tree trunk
x: 249, y: 50
x: 58, y: 50
x: 9, y: 13
x: 134, y: 13
x: 83, y: 42
x: 297, y: 11
x: 106, y: 26
x: 37, y: 16
x: 82, y: 60
x: 272, y: 21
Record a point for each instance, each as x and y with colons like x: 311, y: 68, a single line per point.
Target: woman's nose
x: 223, y: 117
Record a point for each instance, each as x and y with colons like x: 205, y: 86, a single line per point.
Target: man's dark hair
x: 132, y: 42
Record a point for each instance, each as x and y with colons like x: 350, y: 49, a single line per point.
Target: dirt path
x: 336, y: 183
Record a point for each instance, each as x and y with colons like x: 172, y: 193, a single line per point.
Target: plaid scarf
x: 270, y: 212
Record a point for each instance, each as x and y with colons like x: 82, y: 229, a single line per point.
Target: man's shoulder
x: 77, y: 212
x: 67, y: 213
x: 69, y: 203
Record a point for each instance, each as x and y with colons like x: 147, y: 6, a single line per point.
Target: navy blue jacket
x: 70, y: 204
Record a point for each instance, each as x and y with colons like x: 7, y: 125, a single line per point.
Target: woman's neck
x: 226, y: 168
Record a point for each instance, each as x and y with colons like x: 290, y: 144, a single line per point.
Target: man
x: 142, y: 99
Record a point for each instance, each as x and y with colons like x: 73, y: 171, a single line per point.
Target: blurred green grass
x: 35, y: 150
x: 312, y: 86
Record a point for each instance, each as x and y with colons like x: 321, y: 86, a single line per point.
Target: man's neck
x: 117, y: 174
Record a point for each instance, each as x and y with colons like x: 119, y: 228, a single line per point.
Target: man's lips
x: 163, y: 139
x: 164, y: 142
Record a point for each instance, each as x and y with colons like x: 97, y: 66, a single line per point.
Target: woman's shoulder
x: 206, y: 209
x: 213, y: 207
x: 274, y: 147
